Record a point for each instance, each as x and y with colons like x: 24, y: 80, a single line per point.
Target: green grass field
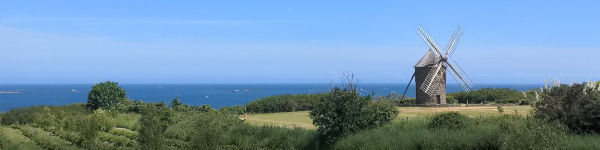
x: 301, y: 118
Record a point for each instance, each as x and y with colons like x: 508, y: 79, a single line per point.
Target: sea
x: 215, y: 95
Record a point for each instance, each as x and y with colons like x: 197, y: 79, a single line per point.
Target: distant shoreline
x: 10, y: 92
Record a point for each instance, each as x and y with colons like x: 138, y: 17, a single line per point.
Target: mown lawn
x: 301, y: 118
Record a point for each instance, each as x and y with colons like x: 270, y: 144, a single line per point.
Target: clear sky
x: 292, y: 42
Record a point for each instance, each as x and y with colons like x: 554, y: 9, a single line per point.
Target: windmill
x: 430, y: 71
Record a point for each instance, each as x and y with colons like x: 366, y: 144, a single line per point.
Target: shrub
x: 379, y: 113
x: 576, y: 106
x: 236, y: 110
x: 283, y: 103
x: 448, y: 120
x: 344, y: 111
x: 500, y: 109
x: 155, y: 120
x: 124, y: 132
x: 28, y: 115
x: 89, y: 126
x: 119, y: 141
x: 106, y: 95
x: 451, y: 100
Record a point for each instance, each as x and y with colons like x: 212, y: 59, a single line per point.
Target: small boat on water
x: 10, y: 92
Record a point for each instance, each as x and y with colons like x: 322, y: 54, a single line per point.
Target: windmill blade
x: 408, y: 85
x: 429, y: 40
x: 458, y: 74
x: 431, y: 76
x: 453, y: 41
x: 462, y: 85
x: 463, y: 72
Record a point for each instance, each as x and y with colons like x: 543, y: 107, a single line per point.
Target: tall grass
x: 505, y: 132
x: 13, y: 139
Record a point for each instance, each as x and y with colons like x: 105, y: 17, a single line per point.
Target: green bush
x: 236, y: 110
x: 124, y: 132
x: 576, y: 106
x: 156, y: 118
x: 451, y: 100
x: 379, y: 113
x: 89, y: 126
x: 72, y: 137
x: 106, y: 95
x: 118, y: 141
x: 283, y: 103
x: 448, y: 120
x: 344, y: 111
x: 27, y: 115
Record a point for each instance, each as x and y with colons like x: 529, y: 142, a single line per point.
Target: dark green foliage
x: 344, y: 111
x: 396, y: 98
x: 27, y: 115
x: 156, y: 118
x: 176, y: 103
x: 398, y: 102
x: 448, y: 120
x: 283, y: 103
x: 203, y: 108
x: 236, y: 110
x: 106, y: 95
x: 576, y: 106
x: 451, y: 100
x: 379, y: 113
x: 131, y: 106
x: 487, y: 95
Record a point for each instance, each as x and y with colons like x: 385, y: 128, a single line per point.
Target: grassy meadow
x: 301, y: 118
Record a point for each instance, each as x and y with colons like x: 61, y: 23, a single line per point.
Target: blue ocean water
x: 216, y: 95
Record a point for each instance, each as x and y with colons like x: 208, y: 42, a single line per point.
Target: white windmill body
x: 430, y: 71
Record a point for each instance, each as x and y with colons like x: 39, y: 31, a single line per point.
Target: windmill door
x: 437, y: 99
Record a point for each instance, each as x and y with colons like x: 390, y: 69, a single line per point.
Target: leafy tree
x: 177, y: 105
x: 106, y: 95
x: 576, y: 106
x: 155, y: 120
x: 344, y: 111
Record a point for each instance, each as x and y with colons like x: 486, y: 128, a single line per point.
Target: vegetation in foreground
x: 359, y: 123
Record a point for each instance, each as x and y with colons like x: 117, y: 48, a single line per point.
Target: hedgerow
x: 283, y: 103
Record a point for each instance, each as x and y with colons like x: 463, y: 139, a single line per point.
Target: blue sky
x: 292, y: 42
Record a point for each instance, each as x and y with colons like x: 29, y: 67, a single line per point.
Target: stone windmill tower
x: 430, y: 71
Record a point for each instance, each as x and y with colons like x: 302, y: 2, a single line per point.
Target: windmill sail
x: 430, y: 71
